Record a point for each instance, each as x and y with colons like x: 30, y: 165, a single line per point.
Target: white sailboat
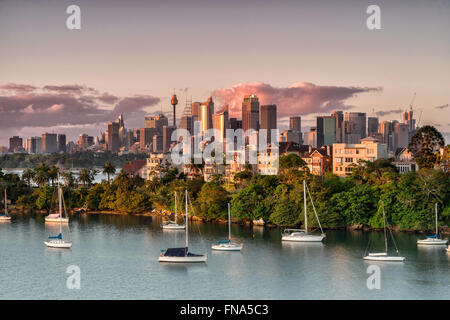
x: 227, y: 245
x: 182, y: 255
x: 383, y: 256
x: 301, y: 235
x: 433, y: 240
x: 57, y: 217
x: 173, y: 225
x: 57, y: 241
x: 5, y: 216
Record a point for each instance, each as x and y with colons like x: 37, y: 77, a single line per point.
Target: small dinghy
x: 433, y: 240
x: 301, y: 235
x: 182, y: 255
x: 227, y: 245
x: 383, y: 256
x: 5, y: 216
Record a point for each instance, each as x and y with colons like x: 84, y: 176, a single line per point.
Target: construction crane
x: 412, y: 101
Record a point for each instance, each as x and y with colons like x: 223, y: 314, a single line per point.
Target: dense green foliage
x: 425, y: 145
x: 356, y: 200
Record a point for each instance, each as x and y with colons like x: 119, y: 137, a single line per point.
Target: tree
x: 69, y: 179
x: 41, y: 174
x: 52, y: 174
x: 109, y: 169
x: 424, y: 146
x: 291, y: 161
x: 87, y: 176
x: 28, y: 176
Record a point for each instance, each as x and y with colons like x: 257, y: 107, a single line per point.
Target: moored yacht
x: 5, y: 216
x: 302, y: 235
x: 433, y: 240
x: 173, y: 225
x: 182, y: 255
x: 227, y: 245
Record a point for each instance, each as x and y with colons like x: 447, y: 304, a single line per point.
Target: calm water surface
x: 118, y: 255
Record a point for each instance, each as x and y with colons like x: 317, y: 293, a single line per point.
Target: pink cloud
x: 300, y: 98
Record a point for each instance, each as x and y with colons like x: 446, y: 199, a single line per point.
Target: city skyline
x: 113, y: 70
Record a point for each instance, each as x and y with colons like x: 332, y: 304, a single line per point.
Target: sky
x: 308, y: 57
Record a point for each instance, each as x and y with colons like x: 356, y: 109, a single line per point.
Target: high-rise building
x: 401, y: 135
x: 61, y: 143
x: 295, y: 124
x: 268, y: 120
x: 359, y: 123
x: 196, y: 111
x: 340, y: 129
x: 235, y: 124
x: 310, y: 137
x: 372, y: 126
x: 326, y: 131
x: 85, y: 141
x: 408, y: 119
x: 146, y: 137
x: 206, y: 112
x: 220, y: 122
x: 157, y: 143
x: 166, y: 137
x: 156, y: 122
x: 49, y: 143
x: 250, y: 113
x: 15, y: 142
x: 112, y: 136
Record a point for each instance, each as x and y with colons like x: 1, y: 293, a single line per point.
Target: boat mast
x: 384, y: 227
x: 176, y: 207
x: 435, y: 209
x: 60, y: 206
x: 6, y: 208
x: 229, y: 223
x: 187, y: 233
x: 304, y: 204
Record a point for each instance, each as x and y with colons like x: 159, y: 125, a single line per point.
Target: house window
x: 348, y: 159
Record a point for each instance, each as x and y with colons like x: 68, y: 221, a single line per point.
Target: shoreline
x: 444, y: 230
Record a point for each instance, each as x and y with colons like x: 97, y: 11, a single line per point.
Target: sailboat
x: 57, y: 217
x: 227, y: 245
x: 300, y: 235
x: 4, y: 216
x: 433, y: 240
x: 182, y: 255
x: 383, y: 256
x: 173, y: 225
x: 57, y: 241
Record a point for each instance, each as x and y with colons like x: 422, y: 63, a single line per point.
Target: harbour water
x: 117, y: 256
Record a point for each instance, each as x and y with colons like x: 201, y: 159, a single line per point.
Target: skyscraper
x: 268, y: 119
x: 326, y: 131
x: 112, y: 136
x: 295, y: 124
x: 196, y: 111
x: 372, y: 125
x: 166, y: 137
x: 49, y: 143
x: 156, y: 122
x: 206, y: 112
x: 358, y: 119
x: 401, y: 135
x: 220, y: 122
x: 250, y: 113
x: 14, y: 143
x: 61, y: 143
x: 340, y: 129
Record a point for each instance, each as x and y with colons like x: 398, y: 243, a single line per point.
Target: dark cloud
x: 443, y: 106
x: 387, y: 112
x: 18, y: 88
x: 299, y: 98
x: 66, y: 106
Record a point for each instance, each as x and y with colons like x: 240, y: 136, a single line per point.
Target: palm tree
x: 53, y: 172
x: 69, y: 179
x: 28, y: 176
x: 85, y: 177
x: 41, y: 174
x: 109, y: 169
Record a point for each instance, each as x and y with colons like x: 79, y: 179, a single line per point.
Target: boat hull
x: 58, y: 244
x: 173, y: 227
x: 3, y: 218
x: 303, y: 238
x: 432, y: 242
x: 187, y: 259
x: 226, y: 247
x: 382, y: 257
x: 63, y: 220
